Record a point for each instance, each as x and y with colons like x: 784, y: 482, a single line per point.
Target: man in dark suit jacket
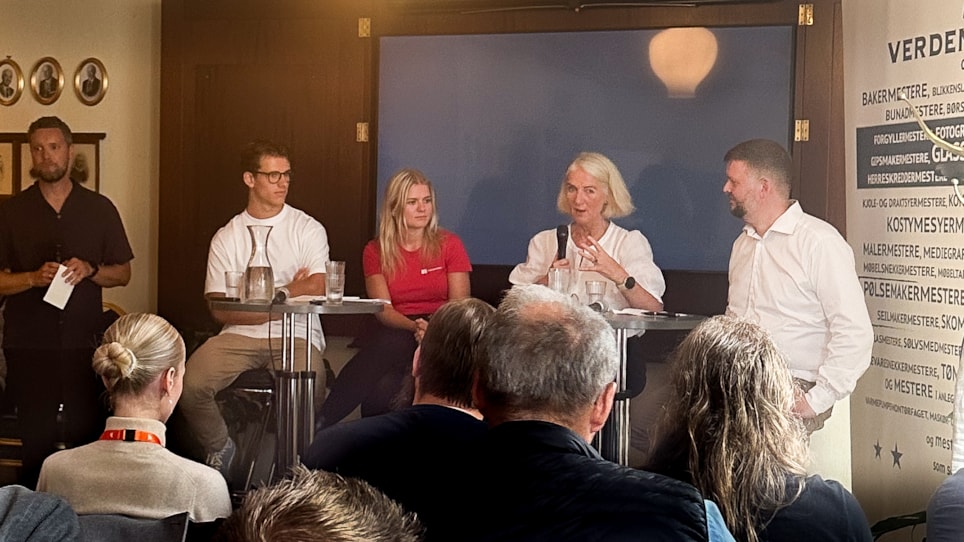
x: 545, y: 388
x: 6, y: 83
x: 48, y: 84
x: 417, y: 455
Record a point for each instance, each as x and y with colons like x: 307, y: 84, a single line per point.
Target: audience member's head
x: 29, y: 516
x: 549, y: 359
x: 141, y: 361
x: 730, y: 424
x: 319, y: 506
x: 451, y: 353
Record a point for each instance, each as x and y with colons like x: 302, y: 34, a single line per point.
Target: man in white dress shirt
x: 794, y: 275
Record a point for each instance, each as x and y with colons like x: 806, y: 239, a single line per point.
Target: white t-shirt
x: 296, y: 241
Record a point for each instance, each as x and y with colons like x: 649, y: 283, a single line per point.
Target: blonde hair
x: 136, y: 349
x: 320, y: 506
x: 731, y: 426
x: 618, y: 200
x: 391, y: 224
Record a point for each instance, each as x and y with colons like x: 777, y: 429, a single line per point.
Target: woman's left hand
x: 595, y: 258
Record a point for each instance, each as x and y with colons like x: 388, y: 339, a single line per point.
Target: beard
x: 48, y: 176
x: 737, y: 209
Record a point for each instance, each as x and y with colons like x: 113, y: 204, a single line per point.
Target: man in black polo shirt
x: 56, y: 222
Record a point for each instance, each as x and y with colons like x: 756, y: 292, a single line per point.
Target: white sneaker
x: 221, y: 460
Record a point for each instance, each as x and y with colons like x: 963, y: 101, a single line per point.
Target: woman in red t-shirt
x: 416, y: 265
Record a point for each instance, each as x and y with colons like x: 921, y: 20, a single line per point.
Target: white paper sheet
x: 58, y: 293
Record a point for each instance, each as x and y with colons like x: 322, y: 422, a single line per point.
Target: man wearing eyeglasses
x: 297, y: 249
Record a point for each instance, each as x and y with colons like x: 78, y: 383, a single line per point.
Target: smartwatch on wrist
x: 628, y: 284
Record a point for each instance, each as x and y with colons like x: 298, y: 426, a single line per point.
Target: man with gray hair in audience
x: 545, y: 388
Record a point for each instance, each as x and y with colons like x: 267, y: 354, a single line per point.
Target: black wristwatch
x: 95, y: 268
x: 627, y: 284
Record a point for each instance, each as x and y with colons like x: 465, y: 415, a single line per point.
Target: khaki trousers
x: 216, y: 364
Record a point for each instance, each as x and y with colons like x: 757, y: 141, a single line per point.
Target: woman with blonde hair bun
x: 129, y: 470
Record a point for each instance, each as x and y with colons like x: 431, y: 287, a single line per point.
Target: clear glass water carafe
x: 258, y: 276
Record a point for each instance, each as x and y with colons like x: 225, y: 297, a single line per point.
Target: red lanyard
x: 130, y: 435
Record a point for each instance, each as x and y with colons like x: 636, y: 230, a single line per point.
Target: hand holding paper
x: 58, y: 293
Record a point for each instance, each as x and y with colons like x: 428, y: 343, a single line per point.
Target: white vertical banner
x: 906, y: 227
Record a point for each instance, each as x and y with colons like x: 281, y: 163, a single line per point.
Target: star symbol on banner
x: 897, y: 455
x: 877, y: 449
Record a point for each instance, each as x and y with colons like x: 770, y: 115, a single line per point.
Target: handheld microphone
x: 562, y: 238
x: 280, y: 296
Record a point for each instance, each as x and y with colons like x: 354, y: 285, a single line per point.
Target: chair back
x: 121, y: 528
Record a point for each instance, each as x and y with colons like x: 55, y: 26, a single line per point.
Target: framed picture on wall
x: 6, y: 169
x: 11, y: 82
x: 86, y: 164
x: 90, y: 81
x: 47, y: 80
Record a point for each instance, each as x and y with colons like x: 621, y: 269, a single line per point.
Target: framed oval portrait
x: 11, y: 82
x: 47, y: 80
x: 90, y: 81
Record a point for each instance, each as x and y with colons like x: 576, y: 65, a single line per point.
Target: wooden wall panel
x: 296, y: 71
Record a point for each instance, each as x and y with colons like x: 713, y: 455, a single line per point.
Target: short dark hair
x: 764, y: 156
x: 451, y: 350
x: 253, y: 152
x: 51, y: 122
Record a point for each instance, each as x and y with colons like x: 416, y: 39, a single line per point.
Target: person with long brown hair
x: 730, y: 431
x: 416, y: 265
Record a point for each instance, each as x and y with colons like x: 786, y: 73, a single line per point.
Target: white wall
x: 830, y: 447
x: 126, y: 36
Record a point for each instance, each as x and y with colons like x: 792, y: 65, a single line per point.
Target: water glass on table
x: 595, y: 291
x: 232, y: 285
x: 334, y: 282
x: 559, y: 279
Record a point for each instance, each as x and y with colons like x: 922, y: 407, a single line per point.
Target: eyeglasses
x: 274, y: 177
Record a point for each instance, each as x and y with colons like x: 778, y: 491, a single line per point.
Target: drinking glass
x: 334, y: 282
x: 595, y: 290
x: 559, y: 279
x: 232, y: 285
